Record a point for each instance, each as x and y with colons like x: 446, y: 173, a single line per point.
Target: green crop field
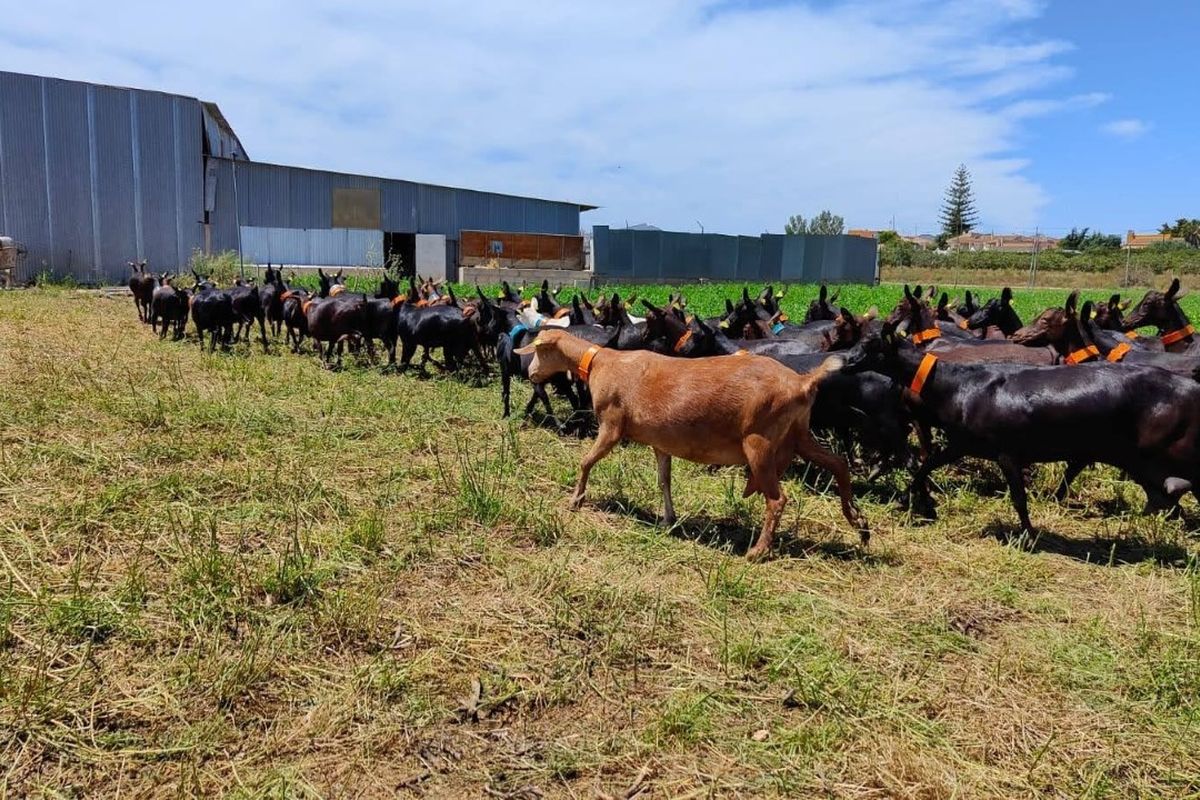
x: 245, y: 575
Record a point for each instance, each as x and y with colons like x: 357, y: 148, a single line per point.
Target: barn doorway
x: 402, y: 246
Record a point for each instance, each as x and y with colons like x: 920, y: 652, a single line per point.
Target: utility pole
x: 1128, y: 250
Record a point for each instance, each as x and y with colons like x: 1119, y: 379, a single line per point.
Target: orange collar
x: 1177, y: 336
x: 962, y: 323
x: 1118, y: 352
x: 562, y: 312
x: 742, y: 353
x: 287, y: 295
x: 1083, y: 354
x: 399, y: 300
x: 927, y: 335
x: 1131, y: 334
x: 683, y: 340
x: 926, y: 367
x: 422, y: 304
x: 336, y: 290
x: 584, y: 370
x: 306, y: 305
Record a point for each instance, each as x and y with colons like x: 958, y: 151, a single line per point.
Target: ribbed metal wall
x: 331, y: 247
x: 94, y: 176
x: 273, y: 196
x: 645, y: 256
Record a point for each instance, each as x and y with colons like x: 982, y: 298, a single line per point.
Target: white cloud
x: 1126, y: 128
x: 1025, y: 109
x: 667, y: 111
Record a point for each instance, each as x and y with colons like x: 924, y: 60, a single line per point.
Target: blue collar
x: 517, y: 330
x: 777, y: 327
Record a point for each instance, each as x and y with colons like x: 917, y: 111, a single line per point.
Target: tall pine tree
x: 958, y: 211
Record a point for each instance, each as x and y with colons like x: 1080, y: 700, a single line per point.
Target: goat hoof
x: 923, y: 508
x: 668, y: 522
x: 756, y: 553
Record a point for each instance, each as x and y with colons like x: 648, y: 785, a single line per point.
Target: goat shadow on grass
x: 1092, y: 550
x: 734, y: 536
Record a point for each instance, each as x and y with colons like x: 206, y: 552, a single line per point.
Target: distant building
x: 922, y: 240
x: 1005, y: 242
x: 1136, y: 241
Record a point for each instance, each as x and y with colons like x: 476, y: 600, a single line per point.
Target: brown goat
x: 731, y: 410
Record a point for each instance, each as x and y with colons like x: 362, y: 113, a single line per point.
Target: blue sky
x: 731, y: 114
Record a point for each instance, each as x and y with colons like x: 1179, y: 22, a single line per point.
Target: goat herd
x: 1077, y: 385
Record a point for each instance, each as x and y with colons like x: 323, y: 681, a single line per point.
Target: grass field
x: 246, y: 575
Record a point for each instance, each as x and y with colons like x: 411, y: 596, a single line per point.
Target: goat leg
x: 1014, y: 473
x: 1071, y: 473
x: 808, y: 449
x: 920, y: 501
x: 664, y: 483
x: 607, y: 438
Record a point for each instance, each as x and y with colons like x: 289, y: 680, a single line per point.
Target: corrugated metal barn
x: 93, y: 176
x: 654, y: 256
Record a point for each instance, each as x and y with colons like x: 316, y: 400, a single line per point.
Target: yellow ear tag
x: 903, y: 333
x: 779, y: 295
x: 724, y: 323
x: 1093, y: 313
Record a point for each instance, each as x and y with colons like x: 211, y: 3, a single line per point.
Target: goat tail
x: 828, y: 366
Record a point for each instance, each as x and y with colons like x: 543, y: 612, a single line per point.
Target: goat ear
x: 908, y: 295
x: 728, y: 306
x: 1114, y: 301
x: 833, y: 297
x: 651, y: 307
x: 821, y: 295
x: 746, y: 296
x: 917, y: 292
x: 1072, y: 301
x: 546, y: 286
x: 943, y: 301
x: 1126, y: 304
x: 1086, y: 313
x: 1174, y: 290
x: 1006, y: 296
x: 968, y: 298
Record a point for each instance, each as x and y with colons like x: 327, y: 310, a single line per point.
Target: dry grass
x: 243, y: 574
